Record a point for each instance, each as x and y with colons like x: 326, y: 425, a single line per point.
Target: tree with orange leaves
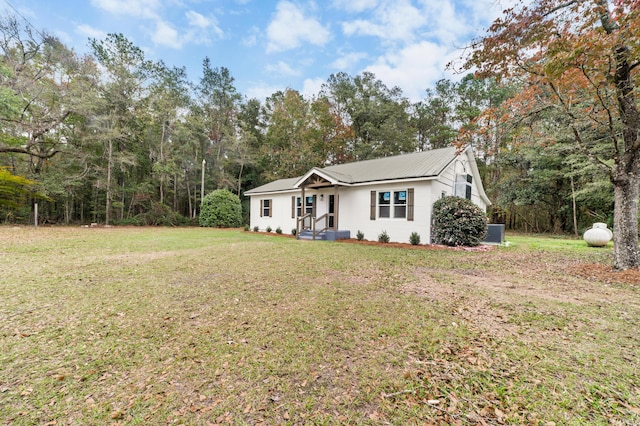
x: 584, y: 56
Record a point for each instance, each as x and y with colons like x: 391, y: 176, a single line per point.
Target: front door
x: 332, y: 209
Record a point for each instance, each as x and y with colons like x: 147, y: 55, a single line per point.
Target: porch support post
x: 304, y: 206
x: 336, y: 205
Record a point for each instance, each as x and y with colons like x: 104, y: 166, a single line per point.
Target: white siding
x: 280, y: 216
x: 355, y: 212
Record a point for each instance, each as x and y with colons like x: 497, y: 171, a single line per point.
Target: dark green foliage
x: 268, y: 229
x: 221, y: 208
x: 383, y: 237
x: 158, y: 215
x: 256, y: 229
x: 360, y: 235
x: 278, y: 230
x: 414, y: 238
x: 458, y: 222
x: 294, y: 231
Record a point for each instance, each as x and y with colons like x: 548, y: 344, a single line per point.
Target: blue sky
x: 273, y: 45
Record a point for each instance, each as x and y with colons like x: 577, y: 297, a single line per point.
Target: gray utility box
x: 495, y: 234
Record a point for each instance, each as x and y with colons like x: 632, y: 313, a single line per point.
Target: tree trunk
x: 240, y: 178
x: 162, y: 165
x: 175, y: 192
x: 122, y: 200
x: 109, y: 167
x: 573, y: 204
x: 626, y: 253
x: 186, y: 178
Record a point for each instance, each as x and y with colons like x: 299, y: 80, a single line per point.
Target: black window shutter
x: 372, y: 214
x: 410, y: 204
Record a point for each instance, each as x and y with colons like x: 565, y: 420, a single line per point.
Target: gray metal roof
x: 275, y: 186
x: 415, y: 165
x: 407, y: 166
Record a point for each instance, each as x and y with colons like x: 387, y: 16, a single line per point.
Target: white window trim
x: 392, y: 205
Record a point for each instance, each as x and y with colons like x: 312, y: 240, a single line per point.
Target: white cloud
x: 414, y: 68
x: 355, y: 5
x: 166, y: 35
x: 282, y: 69
x: 137, y: 8
x: 447, y: 23
x: 197, y: 20
x: 90, y: 32
x: 392, y: 21
x: 251, y: 38
x: 201, y: 27
x: 362, y: 27
x: 348, y: 61
x: 290, y: 28
x: 311, y: 87
x: 262, y: 91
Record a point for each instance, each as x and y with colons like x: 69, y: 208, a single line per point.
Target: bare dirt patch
x: 606, y: 273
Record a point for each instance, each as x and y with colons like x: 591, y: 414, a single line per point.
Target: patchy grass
x: 206, y: 326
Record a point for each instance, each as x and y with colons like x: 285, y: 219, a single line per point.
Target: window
x: 463, y: 186
x: 384, y: 204
x: 265, y: 208
x: 392, y: 204
x: 308, y: 205
x: 400, y: 204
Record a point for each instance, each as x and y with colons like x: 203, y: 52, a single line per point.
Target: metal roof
x: 275, y: 186
x: 416, y: 165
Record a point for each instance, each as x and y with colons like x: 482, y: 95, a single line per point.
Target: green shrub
x: 221, y: 209
x: 383, y: 237
x: 256, y: 229
x: 294, y: 231
x: 360, y: 235
x: 246, y: 228
x: 268, y: 229
x: 458, y: 222
x: 414, y: 238
x: 278, y: 230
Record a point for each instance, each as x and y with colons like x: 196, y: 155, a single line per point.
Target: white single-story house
x: 392, y: 194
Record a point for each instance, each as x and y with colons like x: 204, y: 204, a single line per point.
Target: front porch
x: 323, y: 227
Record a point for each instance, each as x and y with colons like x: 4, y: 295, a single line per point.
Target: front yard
x: 204, y: 326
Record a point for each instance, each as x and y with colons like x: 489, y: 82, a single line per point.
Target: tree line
x: 115, y: 138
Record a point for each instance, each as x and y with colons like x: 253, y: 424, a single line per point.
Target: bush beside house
x: 458, y: 222
x: 221, y: 209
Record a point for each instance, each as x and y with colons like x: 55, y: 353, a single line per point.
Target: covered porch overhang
x: 315, y: 181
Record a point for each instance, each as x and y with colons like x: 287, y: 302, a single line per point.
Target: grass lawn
x: 194, y: 326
